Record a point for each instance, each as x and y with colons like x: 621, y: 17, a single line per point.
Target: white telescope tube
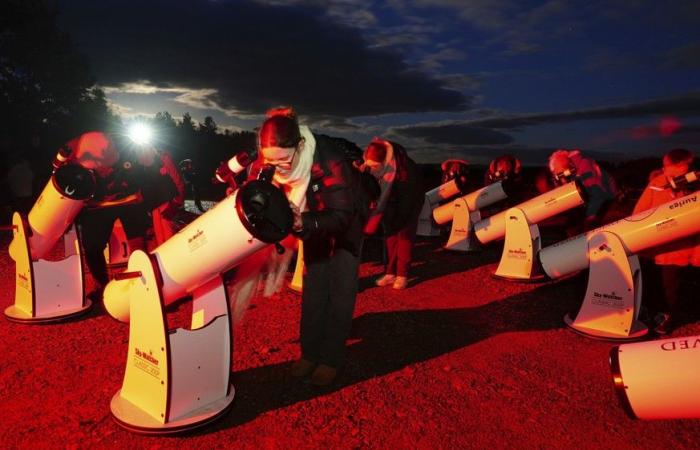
x: 251, y: 218
x: 475, y: 201
x: 671, y: 221
x: 536, y: 210
x: 447, y: 190
x: 57, y: 206
x: 658, y: 379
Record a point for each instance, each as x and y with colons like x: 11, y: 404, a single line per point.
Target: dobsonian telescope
x: 465, y: 211
x: 51, y: 290
x: 433, y: 198
x: 613, y: 296
x: 178, y: 380
x: 519, y: 226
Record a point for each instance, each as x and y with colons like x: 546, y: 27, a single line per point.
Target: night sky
x: 447, y: 78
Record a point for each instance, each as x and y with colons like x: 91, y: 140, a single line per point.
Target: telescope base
x: 532, y: 279
x: 14, y: 314
x: 426, y: 227
x: 131, y: 417
x: 462, y: 232
x: 638, y: 332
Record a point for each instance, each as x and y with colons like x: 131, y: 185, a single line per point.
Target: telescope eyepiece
x: 267, y: 173
x: 684, y: 181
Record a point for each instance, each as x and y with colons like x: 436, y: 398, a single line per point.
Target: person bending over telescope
x: 674, y: 259
x: 507, y: 168
x: 601, y: 190
x: 318, y: 180
x: 117, y: 196
x: 398, y: 206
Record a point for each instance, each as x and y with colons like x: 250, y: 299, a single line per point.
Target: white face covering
x: 296, y: 180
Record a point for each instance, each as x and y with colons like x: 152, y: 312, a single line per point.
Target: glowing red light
x: 669, y: 126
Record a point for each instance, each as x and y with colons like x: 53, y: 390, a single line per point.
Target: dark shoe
x: 662, y: 324
x: 95, y: 295
x: 302, y: 368
x: 323, y: 375
x: 644, y: 314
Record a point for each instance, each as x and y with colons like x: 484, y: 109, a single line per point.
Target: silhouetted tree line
x: 48, y: 96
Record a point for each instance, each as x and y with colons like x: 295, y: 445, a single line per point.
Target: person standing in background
x: 398, y: 206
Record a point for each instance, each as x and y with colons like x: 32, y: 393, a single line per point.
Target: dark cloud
x: 475, y: 136
x: 333, y: 124
x: 458, y: 134
x: 253, y: 55
x: 686, y: 105
x: 528, y: 155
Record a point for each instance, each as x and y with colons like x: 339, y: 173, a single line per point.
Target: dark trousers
x: 399, y: 248
x: 328, y: 302
x: 96, y: 228
x: 665, y: 285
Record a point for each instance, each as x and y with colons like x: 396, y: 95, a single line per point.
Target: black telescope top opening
x: 462, y: 183
x: 510, y: 187
x: 74, y: 181
x: 583, y: 192
x: 264, y: 211
x: 619, y: 383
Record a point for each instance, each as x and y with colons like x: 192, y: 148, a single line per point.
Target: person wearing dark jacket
x: 319, y: 182
x: 398, y: 206
x: 164, y: 190
x: 117, y: 196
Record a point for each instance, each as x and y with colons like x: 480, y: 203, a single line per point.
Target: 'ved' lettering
x: 668, y: 346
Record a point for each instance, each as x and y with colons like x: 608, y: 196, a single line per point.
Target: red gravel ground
x: 459, y: 360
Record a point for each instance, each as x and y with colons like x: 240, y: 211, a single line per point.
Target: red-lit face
x: 283, y: 158
x: 504, y: 167
x: 674, y: 170
x: 559, y: 165
x: 375, y: 167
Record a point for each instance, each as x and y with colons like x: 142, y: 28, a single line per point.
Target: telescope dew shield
x: 658, y: 379
x: 536, y: 210
x: 475, y: 201
x: 447, y: 190
x: 252, y: 217
x: 671, y: 221
x: 57, y: 206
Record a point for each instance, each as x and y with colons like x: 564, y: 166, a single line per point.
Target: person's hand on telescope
x: 297, y: 225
